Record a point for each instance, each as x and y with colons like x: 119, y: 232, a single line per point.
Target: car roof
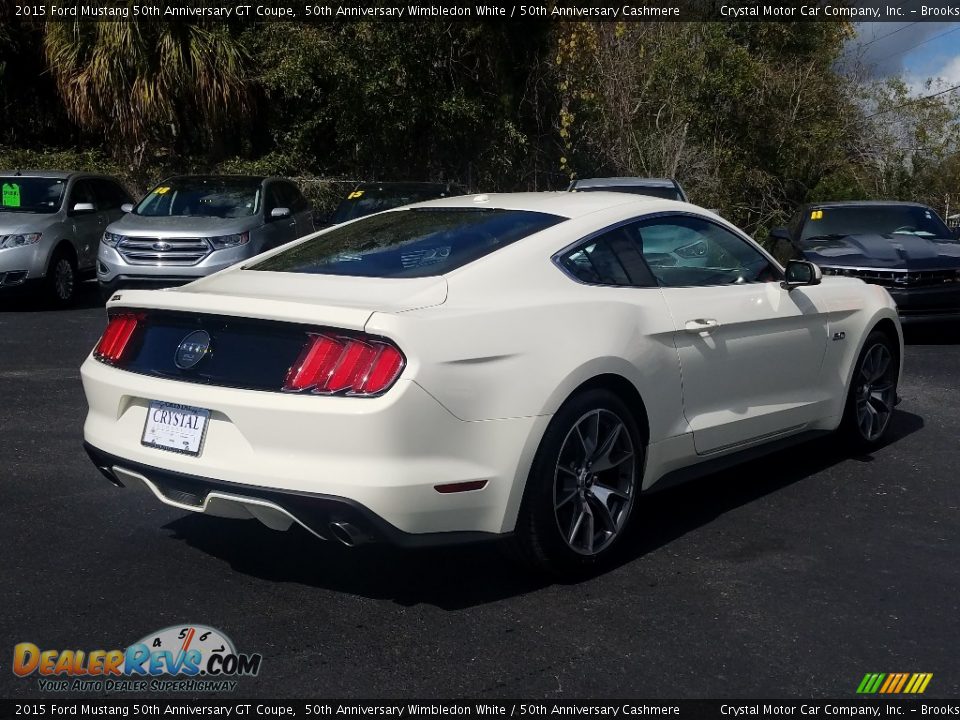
x: 54, y: 174
x: 865, y: 203
x: 560, y: 203
x: 624, y: 182
x: 411, y: 185
x: 252, y: 178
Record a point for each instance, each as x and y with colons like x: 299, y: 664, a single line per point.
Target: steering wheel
x: 906, y: 229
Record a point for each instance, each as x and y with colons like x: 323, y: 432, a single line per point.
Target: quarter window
x: 609, y: 259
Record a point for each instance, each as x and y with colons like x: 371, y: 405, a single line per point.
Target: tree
x: 168, y: 82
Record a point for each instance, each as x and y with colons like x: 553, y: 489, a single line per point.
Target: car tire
x: 872, y: 394
x: 582, y: 487
x: 61, y: 279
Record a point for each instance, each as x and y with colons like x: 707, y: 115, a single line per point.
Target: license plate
x: 177, y: 428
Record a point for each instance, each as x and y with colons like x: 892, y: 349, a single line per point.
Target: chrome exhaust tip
x: 348, y: 534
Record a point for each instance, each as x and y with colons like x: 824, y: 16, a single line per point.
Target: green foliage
x: 753, y: 119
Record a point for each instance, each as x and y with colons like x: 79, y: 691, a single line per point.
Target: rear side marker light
x: 461, y: 486
x: 116, y: 337
x: 361, y: 366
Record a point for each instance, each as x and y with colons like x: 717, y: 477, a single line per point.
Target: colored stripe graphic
x: 894, y: 683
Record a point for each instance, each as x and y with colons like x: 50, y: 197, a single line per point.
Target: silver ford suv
x: 191, y: 226
x: 50, y: 225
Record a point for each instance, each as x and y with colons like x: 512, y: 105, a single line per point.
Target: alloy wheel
x: 875, y: 391
x: 594, y: 482
x: 63, y: 279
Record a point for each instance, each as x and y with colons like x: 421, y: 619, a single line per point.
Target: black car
x: 369, y: 198
x: 905, y: 247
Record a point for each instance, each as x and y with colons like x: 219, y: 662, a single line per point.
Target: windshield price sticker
x: 11, y: 195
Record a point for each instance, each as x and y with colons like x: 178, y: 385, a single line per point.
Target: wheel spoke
x: 576, y: 522
x: 878, y: 403
x: 605, y: 514
x: 602, y: 458
x: 591, y: 531
x: 572, y: 494
x: 605, y: 492
x: 882, y: 362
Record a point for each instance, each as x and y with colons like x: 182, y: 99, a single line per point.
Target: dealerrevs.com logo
x: 182, y: 658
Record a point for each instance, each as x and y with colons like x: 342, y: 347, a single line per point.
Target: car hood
x: 908, y: 252
x: 131, y: 224
x: 13, y: 223
x: 346, y: 302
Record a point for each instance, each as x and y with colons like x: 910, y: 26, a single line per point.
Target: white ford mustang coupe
x: 517, y: 366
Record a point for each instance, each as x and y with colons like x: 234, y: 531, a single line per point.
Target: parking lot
x: 791, y: 576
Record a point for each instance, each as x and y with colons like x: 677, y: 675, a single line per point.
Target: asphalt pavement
x: 789, y: 577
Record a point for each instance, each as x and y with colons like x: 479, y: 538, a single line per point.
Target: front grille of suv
x: 898, y: 278
x: 163, y: 251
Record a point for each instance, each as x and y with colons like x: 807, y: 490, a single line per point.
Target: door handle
x: 701, y: 325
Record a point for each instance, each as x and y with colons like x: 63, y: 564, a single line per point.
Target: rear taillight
x: 116, y: 337
x: 349, y: 365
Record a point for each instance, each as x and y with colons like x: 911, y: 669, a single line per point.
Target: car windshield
x: 31, y: 194
x: 874, y: 220
x: 366, y: 201
x: 667, y: 193
x: 420, y: 242
x: 202, y: 197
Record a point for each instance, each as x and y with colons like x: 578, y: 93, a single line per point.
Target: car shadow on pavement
x: 939, y: 333
x: 459, y: 577
x: 88, y: 297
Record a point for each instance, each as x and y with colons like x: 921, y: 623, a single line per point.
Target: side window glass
x: 82, y: 193
x: 685, y: 251
x: 608, y: 259
x: 273, y: 198
x: 110, y: 196
x: 297, y: 202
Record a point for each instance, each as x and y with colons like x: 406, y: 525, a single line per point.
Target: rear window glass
x: 409, y: 243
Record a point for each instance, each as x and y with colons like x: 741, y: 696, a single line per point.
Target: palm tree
x: 150, y: 81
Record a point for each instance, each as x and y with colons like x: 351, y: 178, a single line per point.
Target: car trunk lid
x: 331, y: 300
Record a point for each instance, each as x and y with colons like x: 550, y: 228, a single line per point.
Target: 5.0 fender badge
x: 192, y: 349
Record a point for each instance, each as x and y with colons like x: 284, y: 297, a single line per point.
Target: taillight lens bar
x: 116, y: 338
x: 356, y: 365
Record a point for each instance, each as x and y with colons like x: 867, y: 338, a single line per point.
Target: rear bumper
x: 326, y: 516
x: 385, y: 454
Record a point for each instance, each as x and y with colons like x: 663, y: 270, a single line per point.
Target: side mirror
x: 780, y: 233
x: 80, y: 208
x: 956, y: 232
x: 800, y: 273
x: 279, y: 213
x: 127, y: 207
